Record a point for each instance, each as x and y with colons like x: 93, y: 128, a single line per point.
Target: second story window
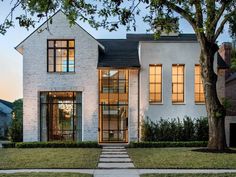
x: 61, y: 55
x: 155, y: 83
x: 178, y: 83
x: 198, y: 90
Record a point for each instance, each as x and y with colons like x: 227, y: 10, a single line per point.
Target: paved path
x: 115, y: 162
x: 123, y: 171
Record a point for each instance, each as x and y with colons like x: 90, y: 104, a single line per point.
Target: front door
x: 113, y: 95
x: 232, y: 135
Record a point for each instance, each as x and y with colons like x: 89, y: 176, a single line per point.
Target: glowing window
x: 198, y: 86
x: 155, y: 83
x: 178, y: 83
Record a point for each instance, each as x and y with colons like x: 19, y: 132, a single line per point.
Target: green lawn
x: 14, y: 158
x: 180, y: 158
x: 190, y: 175
x: 46, y: 174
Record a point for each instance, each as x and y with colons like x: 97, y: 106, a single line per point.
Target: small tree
x: 16, y: 128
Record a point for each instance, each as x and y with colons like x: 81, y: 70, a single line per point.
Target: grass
x: 15, y: 158
x: 180, y: 158
x: 43, y: 174
x: 190, y: 175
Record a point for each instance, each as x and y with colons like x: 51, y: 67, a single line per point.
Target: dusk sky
x: 11, y: 61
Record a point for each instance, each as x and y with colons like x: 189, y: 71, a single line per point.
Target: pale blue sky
x: 11, y: 61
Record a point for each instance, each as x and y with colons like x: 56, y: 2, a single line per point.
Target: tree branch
x: 224, y: 21
x: 225, y: 4
x: 182, y: 12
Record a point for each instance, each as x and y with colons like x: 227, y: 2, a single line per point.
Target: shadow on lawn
x: 205, y: 150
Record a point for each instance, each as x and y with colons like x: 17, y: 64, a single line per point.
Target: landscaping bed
x: 180, y: 158
x: 15, y: 158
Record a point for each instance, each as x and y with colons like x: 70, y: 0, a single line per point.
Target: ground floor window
x: 61, y: 116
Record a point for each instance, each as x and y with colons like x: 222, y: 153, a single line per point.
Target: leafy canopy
x: 207, y: 17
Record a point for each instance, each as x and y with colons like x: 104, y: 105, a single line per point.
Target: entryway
x: 113, y: 106
x: 232, y: 135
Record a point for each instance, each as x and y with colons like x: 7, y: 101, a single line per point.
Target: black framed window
x: 177, y: 83
x: 155, y: 83
x: 61, y: 55
x: 61, y: 116
x: 198, y: 86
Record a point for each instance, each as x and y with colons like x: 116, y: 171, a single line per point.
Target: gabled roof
x: 119, y: 53
x: 232, y: 77
x: 221, y: 62
x: 59, y: 11
x: 7, y: 103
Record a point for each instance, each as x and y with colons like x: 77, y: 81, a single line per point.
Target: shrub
x: 8, y: 145
x: 85, y: 144
x: 162, y: 144
x: 175, y: 130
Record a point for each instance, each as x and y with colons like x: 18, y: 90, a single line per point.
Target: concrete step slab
x: 113, y: 147
x: 113, y: 150
x: 115, y: 165
x: 114, y: 156
x: 115, y: 160
x: 110, y: 152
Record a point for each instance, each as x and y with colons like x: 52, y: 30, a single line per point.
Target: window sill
x: 161, y: 103
x: 200, y: 103
x: 178, y: 103
x: 62, y: 73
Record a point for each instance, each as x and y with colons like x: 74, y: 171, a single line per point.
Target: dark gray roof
x: 150, y: 37
x: 7, y: 103
x: 231, y: 77
x: 119, y: 53
x: 221, y: 63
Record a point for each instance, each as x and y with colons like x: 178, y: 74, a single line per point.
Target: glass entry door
x: 113, y: 94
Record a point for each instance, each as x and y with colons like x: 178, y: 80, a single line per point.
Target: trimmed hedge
x: 162, y: 144
x: 8, y: 145
x: 85, y: 144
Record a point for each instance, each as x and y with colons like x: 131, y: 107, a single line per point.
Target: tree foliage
x: 16, y: 128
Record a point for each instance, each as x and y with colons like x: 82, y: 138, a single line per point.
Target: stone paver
x: 114, y: 155
x: 115, y: 165
x: 108, y: 159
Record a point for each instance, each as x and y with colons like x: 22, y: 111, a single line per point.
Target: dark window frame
x: 155, y: 101
x: 54, y: 48
x: 178, y: 83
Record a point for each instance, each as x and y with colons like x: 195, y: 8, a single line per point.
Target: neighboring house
x: 80, y: 88
x: 229, y: 92
x: 5, y: 117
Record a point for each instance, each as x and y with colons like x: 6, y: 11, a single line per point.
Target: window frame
x: 200, y: 84
x: 172, y: 84
x: 54, y: 48
x: 161, y: 84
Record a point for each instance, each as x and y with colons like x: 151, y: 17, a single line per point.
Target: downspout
x: 138, y: 105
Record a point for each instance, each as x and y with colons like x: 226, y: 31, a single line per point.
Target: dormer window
x: 60, y: 55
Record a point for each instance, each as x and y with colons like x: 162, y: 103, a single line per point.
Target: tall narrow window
x: 155, y: 83
x: 178, y: 83
x: 198, y: 90
x: 61, y: 55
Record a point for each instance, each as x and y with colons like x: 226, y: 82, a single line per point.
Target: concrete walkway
x: 122, y: 172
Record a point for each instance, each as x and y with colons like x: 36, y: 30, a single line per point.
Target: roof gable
x: 41, y: 28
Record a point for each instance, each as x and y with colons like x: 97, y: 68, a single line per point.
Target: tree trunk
x: 215, y: 110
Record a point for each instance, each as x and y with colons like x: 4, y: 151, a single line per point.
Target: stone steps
x: 114, y: 157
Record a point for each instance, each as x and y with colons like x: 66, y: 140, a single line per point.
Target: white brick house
x: 80, y: 88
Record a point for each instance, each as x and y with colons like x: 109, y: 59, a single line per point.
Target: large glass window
x: 60, y: 116
x: 113, y: 94
x: 61, y: 56
x: 198, y: 86
x: 178, y: 83
x: 155, y: 83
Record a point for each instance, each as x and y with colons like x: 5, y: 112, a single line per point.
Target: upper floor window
x: 61, y: 55
x: 198, y: 86
x: 178, y: 83
x: 155, y: 83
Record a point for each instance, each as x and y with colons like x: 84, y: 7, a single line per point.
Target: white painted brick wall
x: 36, y: 78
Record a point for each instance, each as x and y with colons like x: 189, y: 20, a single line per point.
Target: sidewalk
x: 122, y: 172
